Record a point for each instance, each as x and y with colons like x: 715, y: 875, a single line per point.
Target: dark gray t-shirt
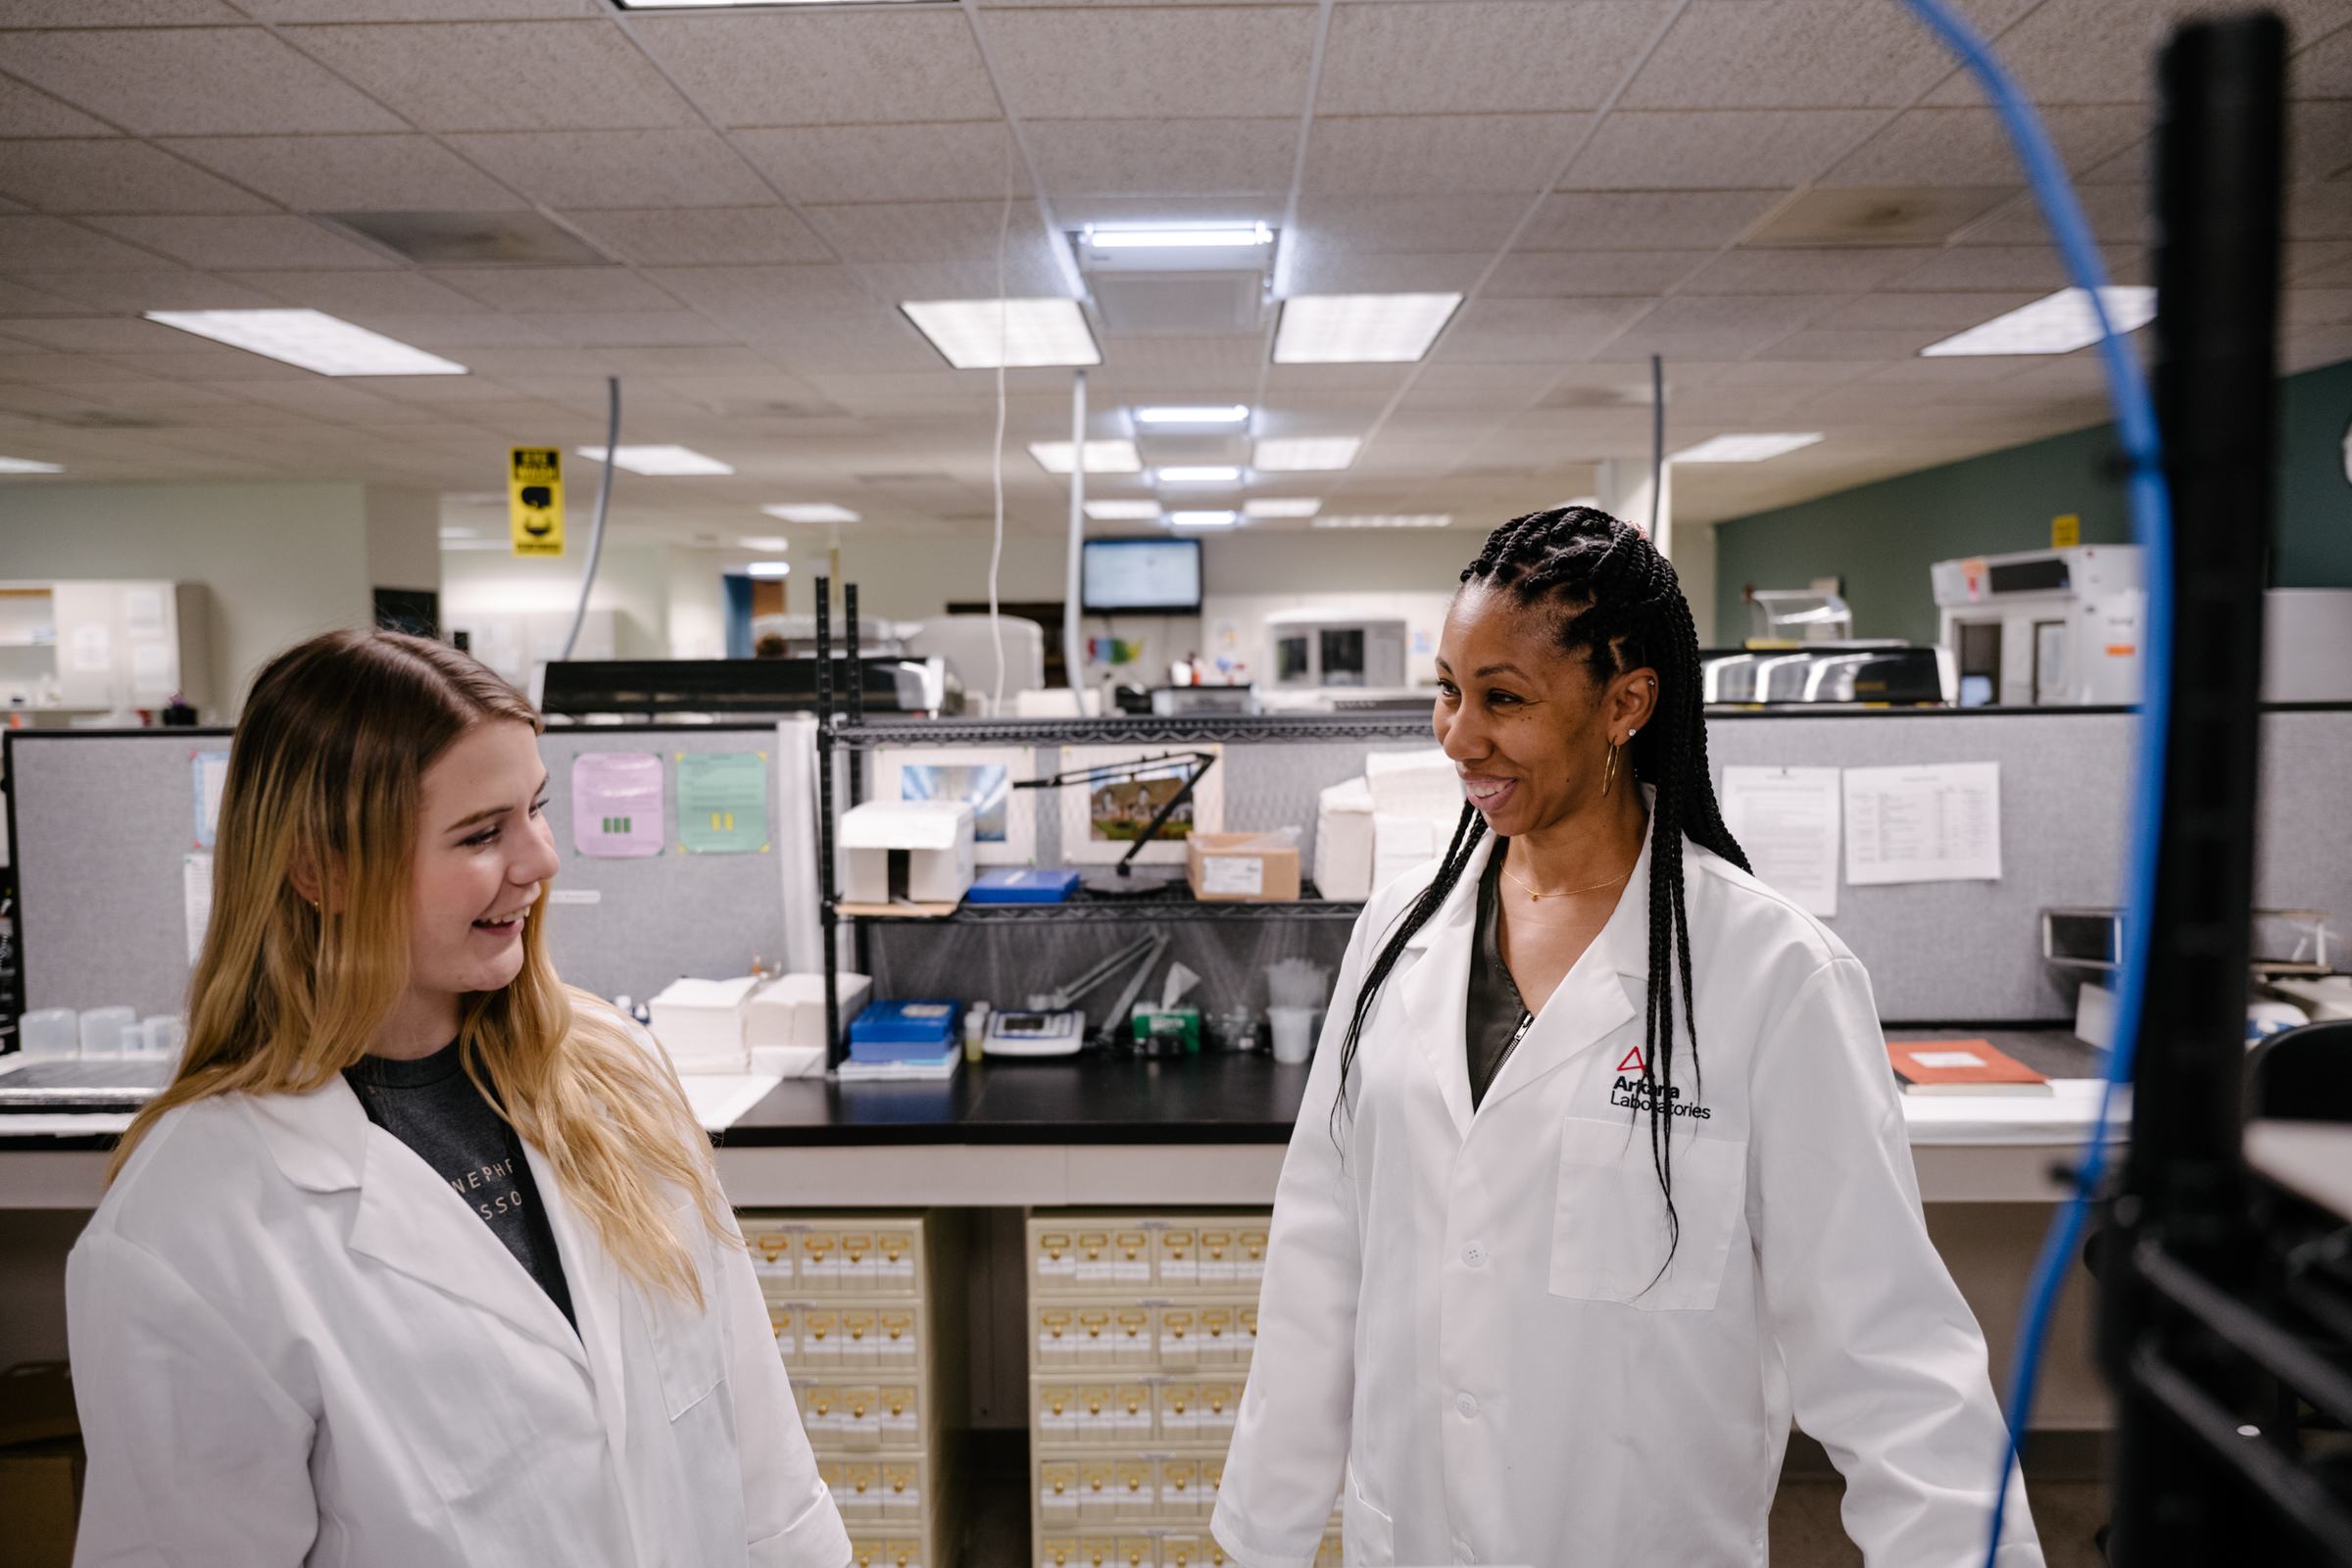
x: 433, y: 1107
x: 1495, y: 1018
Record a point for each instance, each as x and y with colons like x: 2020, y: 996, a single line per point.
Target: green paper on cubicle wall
x: 722, y: 803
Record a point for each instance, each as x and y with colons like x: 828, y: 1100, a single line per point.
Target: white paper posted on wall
x: 1938, y: 823
x: 1787, y: 820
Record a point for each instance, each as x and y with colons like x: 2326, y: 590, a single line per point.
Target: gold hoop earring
x: 1609, y: 776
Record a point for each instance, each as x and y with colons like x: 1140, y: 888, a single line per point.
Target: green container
x: 1167, y: 1031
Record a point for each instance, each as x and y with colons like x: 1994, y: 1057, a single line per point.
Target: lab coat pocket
x: 1368, y: 1535
x: 1609, y: 1228
x: 687, y: 1352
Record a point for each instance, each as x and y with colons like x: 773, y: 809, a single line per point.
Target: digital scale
x: 1033, y: 1034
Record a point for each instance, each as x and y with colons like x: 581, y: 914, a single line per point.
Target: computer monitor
x: 1141, y: 576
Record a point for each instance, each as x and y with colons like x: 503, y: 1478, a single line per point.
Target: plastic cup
x: 1294, y: 1034
x: 50, y: 1031
x: 166, y: 1035
x: 101, y: 1029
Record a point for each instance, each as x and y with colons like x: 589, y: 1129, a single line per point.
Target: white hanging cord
x: 996, y: 554
x: 604, y: 495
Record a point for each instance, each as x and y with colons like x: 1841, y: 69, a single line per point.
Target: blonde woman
x: 422, y: 1259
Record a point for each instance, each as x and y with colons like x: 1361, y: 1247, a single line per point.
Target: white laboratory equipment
x: 2046, y: 628
x: 1313, y: 649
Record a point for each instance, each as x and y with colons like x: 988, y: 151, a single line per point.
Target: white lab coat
x: 293, y: 1343
x: 1458, y: 1333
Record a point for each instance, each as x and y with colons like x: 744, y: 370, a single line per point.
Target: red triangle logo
x: 1633, y: 1061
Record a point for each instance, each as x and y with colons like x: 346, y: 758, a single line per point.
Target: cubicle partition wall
x: 103, y: 824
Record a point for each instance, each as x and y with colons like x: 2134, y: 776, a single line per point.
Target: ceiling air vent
x: 1923, y: 216
x: 1181, y: 303
x: 473, y: 239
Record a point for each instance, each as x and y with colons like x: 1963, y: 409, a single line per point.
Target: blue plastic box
x: 901, y: 1031
x: 1022, y: 884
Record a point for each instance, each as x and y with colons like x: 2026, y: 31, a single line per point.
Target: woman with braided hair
x: 1614, y: 1180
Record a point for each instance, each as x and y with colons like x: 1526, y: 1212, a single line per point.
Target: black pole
x: 855, y: 669
x: 2183, y: 1192
x: 825, y: 892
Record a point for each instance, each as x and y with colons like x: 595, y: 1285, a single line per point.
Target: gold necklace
x: 1533, y: 897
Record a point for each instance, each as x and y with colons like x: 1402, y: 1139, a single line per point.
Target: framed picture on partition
x: 1003, y: 819
x: 1101, y: 819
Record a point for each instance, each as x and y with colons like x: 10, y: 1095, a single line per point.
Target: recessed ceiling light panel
x: 1123, y: 511
x: 769, y: 569
x: 1199, y: 474
x: 767, y: 544
x: 1222, y: 413
x: 1282, y: 507
x: 976, y: 334
x: 1421, y: 519
x: 1360, y: 329
x: 658, y: 462
x: 29, y: 465
x: 1203, y: 519
x: 1306, y: 454
x: 2060, y: 323
x: 1746, y: 448
x: 809, y: 511
x: 1177, y: 237
x: 311, y: 339
x: 1101, y: 456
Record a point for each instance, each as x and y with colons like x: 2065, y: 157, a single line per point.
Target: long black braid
x: 1623, y: 609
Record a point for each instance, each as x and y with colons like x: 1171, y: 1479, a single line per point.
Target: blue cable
x: 2152, y: 527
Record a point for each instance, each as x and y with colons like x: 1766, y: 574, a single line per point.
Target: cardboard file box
x: 1243, y: 867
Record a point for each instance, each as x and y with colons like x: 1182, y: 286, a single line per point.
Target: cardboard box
x: 919, y: 852
x: 1244, y: 867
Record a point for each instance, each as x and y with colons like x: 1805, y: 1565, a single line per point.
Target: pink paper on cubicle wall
x: 617, y: 804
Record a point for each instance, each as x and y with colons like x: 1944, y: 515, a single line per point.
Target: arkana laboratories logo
x: 1637, y: 1093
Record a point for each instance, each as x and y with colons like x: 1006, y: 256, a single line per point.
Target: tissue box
x: 788, y: 1015
x: 920, y: 851
x: 904, y: 1030
x: 1243, y: 867
x: 1343, y: 841
x: 701, y: 1023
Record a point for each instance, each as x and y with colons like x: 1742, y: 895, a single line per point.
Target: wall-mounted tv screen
x: 1141, y: 576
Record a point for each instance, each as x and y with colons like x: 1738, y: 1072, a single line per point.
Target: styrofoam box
x: 790, y: 1010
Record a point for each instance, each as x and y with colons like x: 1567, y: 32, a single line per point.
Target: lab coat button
x: 1467, y: 1404
x: 1474, y: 1255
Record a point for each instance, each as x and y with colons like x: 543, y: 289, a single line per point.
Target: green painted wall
x: 1882, y: 538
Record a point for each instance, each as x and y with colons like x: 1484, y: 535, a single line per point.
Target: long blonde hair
x: 324, y: 780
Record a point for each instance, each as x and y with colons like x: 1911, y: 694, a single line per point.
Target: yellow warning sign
x: 535, y: 500
x: 2066, y: 531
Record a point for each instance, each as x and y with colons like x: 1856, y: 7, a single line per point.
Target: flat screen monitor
x: 1141, y: 576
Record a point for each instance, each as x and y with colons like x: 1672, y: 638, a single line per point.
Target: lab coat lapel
x: 411, y: 1221
x: 1433, y: 989
x: 1592, y: 1001
x: 594, y: 1281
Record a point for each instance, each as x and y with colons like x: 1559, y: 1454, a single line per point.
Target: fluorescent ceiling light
x: 1123, y: 511
x: 1306, y: 454
x: 2058, y: 324
x: 1101, y: 456
x: 461, y: 533
x: 1281, y: 506
x: 29, y: 465
x: 768, y: 544
x: 660, y: 461
x: 1198, y: 473
x: 311, y: 339
x: 970, y: 334
x: 1203, y: 519
x: 731, y: 5
x: 1225, y: 414
x: 1360, y: 329
x: 1425, y: 519
x: 809, y: 511
x: 769, y: 569
x: 1176, y: 237
x: 1744, y: 447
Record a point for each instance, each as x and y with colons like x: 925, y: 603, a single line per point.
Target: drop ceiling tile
x: 1798, y: 53
x: 245, y: 242
x: 1331, y: 270
x: 351, y: 173
x: 1163, y: 157
x: 1481, y: 56
x: 1821, y: 343
x: 1715, y: 150
x: 194, y: 82
x: 924, y: 231
x: 751, y: 299
x: 1174, y: 63
x: 2104, y: 51
x: 115, y: 176
x: 1076, y: 210
x: 457, y: 334
x: 2324, y: 69
x: 580, y: 289
x: 1645, y: 220
x: 1782, y: 373
x: 24, y: 112
x: 941, y: 161
x: 1506, y: 331
x: 2316, y: 307
x: 418, y: 9
x: 1438, y: 154
x: 2005, y: 268
x: 109, y: 334
x: 145, y: 285
x: 342, y: 293
x: 503, y: 75
x: 1642, y: 274
x: 1418, y: 224
x: 21, y: 298
x: 2320, y: 210
x: 2317, y: 346
x: 1958, y: 376
x: 203, y: 360
x: 591, y: 168
x: 1030, y: 273
x: 1968, y: 146
x: 1908, y: 312
x: 51, y: 244
x: 2118, y: 215
x: 1792, y: 271
x: 824, y: 66
x: 695, y: 236
x: 2319, y: 139
x: 116, y: 13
